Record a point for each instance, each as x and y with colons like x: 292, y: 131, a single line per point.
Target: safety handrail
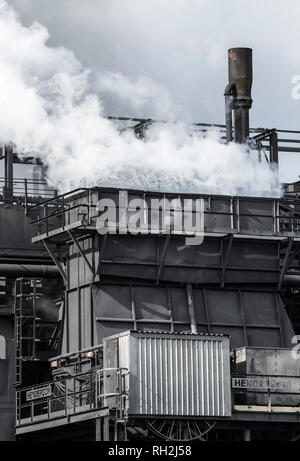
x: 285, y: 218
x: 76, y: 393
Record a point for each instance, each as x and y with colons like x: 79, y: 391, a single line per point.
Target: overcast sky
x: 182, y: 45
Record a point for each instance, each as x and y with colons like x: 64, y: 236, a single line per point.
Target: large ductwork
x: 238, y: 99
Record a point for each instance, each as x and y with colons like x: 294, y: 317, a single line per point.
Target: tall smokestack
x: 238, y: 93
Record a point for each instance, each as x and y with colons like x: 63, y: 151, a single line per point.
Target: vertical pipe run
x: 228, y: 113
x: 274, y: 148
x: 8, y: 187
x: 241, y: 124
x: 238, y: 93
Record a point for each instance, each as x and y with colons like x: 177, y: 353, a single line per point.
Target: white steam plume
x: 140, y: 96
x: 49, y: 106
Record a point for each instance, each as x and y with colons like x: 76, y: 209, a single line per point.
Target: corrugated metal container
x: 266, y: 361
x: 172, y: 374
x: 273, y: 376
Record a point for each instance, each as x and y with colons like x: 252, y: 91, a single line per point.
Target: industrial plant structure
x: 115, y: 336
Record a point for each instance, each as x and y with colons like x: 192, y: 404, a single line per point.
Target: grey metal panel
x: 4, y: 368
x: 72, y: 270
x: 260, y: 308
x: 260, y: 361
x: 253, y: 318
x: 7, y: 427
x: 112, y: 301
x: 176, y: 375
x: 260, y: 216
x: 128, y: 248
x: 218, y: 214
x: 124, y: 248
x: 264, y: 337
x: 248, y: 261
x: 140, y: 257
x: 287, y: 329
x: 6, y: 331
x: 266, y: 362
x: 108, y: 328
x: 13, y: 218
x: 190, y: 275
x: 208, y: 253
x: 254, y: 254
x: 73, y: 326
x: 237, y: 334
x: 86, y: 315
x: 149, y: 307
x: 78, y: 271
x: 179, y: 304
x: 224, y: 306
x: 7, y: 394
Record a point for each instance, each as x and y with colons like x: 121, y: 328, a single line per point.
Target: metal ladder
x: 27, y: 291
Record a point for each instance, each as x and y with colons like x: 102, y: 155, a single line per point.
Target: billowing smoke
x: 51, y: 106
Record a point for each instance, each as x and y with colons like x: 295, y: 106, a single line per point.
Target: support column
x: 9, y: 175
x: 247, y: 435
x: 98, y: 434
x: 106, y: 429
x: 274, y: 148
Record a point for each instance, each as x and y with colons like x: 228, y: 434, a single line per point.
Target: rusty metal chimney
x: 238, y: 93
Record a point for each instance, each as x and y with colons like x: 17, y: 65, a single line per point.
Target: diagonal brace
x: 82, y: 253
x: 163, y: 257
x: 56, y: 262
x: 225, y: 263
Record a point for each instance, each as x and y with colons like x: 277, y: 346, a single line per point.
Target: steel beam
x: 163, y: 258
x: 191, y: 308
x: 56, y: 262
x: 81, y: 253
x: 285, y: 262
x: 101, y: 250
x: 225, y: 263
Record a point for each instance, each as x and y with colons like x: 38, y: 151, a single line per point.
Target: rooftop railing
x: 26, y: 191
x: 277, y: 217
x: 80, y: 393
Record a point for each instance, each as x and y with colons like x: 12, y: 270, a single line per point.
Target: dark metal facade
x: 228, y: 284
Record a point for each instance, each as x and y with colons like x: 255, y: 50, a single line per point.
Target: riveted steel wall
x: 176, y: 374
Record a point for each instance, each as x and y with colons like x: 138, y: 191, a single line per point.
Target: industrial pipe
x: 292, y: 280
x: 28, y: 270
x: 8, y: 191
x: 230, y: 94
x: 238, y: 93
